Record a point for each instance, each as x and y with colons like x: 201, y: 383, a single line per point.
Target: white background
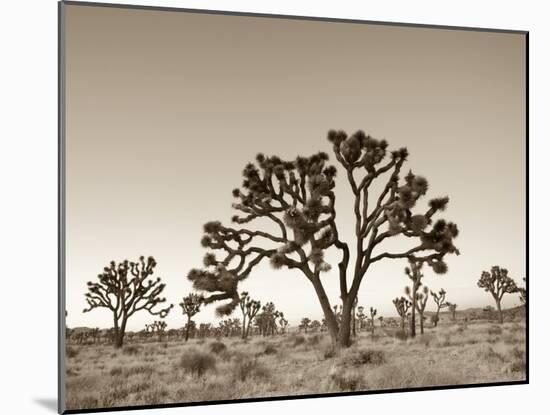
x: 28, y: 203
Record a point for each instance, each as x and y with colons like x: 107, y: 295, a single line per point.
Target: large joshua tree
x: 190, y: 306
x: 297, y: 198
x: 497, y: 282
x: 126, y: 289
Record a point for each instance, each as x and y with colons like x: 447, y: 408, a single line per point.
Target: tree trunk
x: 119, y: 334
x: 187, y: 328
x: 353, y: 322
x: 402, y: 323
x: 436, y: 320
x: 499, y: 309
x: 244, y: 327
x: 413, y: 318
x: 421, y: 323
x: 332, y: 324
x: 344, y: 334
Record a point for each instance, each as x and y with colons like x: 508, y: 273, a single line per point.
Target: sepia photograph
x: 266, y: 207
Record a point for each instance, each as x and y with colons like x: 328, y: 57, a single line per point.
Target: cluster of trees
x: 297, y: 198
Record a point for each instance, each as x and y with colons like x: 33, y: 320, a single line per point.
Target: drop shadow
x: 48, y: 403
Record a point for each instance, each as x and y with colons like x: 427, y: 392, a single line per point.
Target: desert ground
x: 159, y: 372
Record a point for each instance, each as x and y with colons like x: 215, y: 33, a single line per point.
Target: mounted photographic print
x: 258, y: 207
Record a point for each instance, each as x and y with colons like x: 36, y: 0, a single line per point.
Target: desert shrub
x: 366, y: 357
x: 197, y: 362
x: 131, y: 350
x: 116, y: 371
x: 329, y: 352
x: 426, y: 339
x: 495, y: 330
x: 488, y: 354
x: 138, y: 370
x: 165, y: 345
x: 71, y: 352
x: 247, y: 368
x: 270, y: 349
x: 297, y: 340
x: 518, y: 363
x: 401, y: 335
x: 217, y: 347
x: 314, y: 340
x: 344, y: 380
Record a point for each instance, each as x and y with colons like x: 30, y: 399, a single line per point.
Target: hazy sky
x: 164, y: 109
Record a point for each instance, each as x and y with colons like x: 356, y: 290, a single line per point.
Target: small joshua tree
x: 421, y: 301
x: 414, y: 272
x: 283, y: 323
x: 267, y: 319
x: 361, y: 316
x: 304, y: 324
x: 439, y: 299
x: 497, y: 282
x: 126, y: 289
x: 373, y: 312
x: 249, y: 309
x: 157, y: 326
x: 315, y: 326
x: 353, y: 312
x: 190, y: 306
x: 452, y: 309
x: 402, y: 305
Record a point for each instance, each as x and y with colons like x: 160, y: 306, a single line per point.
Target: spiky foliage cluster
x: 191, y: 304
x: 366, y: 155
x: 126, y: 289
x: 266, y: 321
x: 439, y: 299
x: 249, y: 309
x: 297, y: 198
x: 497, y: 282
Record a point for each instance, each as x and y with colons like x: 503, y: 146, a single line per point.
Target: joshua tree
x: 267, y: 319
x: 523, y: 292
x: 126, y: 289
x: 497, y: 283
x: 439, y: 299
x: 249, y: 309
x: 157, y: 326
x: 452, y: 309
x: 421, y: 301
x: 354, y: 307
x: 297, y: 197
x: 361, y: 316
x: 283, y: 323
x: 414, y: 272
x: 402, y: 305
x: 304, y: 324
x: 373, y: 312
x: 190, y: 306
